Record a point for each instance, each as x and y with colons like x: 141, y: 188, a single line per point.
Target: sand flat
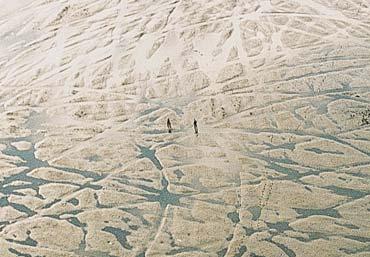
x: 280, y: 91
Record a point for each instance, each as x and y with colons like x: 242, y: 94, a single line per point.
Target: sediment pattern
x: 280, y: 89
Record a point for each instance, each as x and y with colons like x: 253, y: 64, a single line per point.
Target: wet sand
x: 280, y: 92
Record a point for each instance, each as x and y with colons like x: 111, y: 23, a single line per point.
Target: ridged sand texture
x: 281, y: 93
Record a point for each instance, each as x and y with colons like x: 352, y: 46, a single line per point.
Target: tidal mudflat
x: 281, y: 93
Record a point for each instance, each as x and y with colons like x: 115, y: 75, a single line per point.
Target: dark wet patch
x: 255, y: 255
x: 87, y: 174
x: 27, y: 157
x: 288, y: 146
x: 22, y: 208
x: 343, y: 142
x: 249, y: 231
x: 27, y: 182
x: 347, y: 225
x: 29, y: 161
x: 46, y: 206
x: 330, y: 212
x: 74, y: 201
x: 121, y: 236
x: 182, y: 250
x: 280, y: 227
x: 290, y: 173
x: 242, y: 249
x: 19, y: 254
x: 82, y: 245
x: 234, y: 216
x: 164, y: 197
x: 146, y: 180
x: 179, y: 174
x: 127, y: 220
x: 320, y: 151
x: 256, y: 212
x: 29, y: 241
x: 358, y: 238
x: 3, y: 224
x: 94, y: 158
x: 222, y: 252
x: 284, y: 248
x: 352, y: 251
x: 149, y: 189
x: 4, y: 201
x: 75, y: 221
x: 91, y: 186
x: 286, y: 161
x: 137, y: 213
x: 146, y: 152
x: 312, y: 236
x: 352, y: 193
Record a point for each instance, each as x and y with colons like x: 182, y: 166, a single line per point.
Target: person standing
x: 169, y: 126
x: 195, y: 124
